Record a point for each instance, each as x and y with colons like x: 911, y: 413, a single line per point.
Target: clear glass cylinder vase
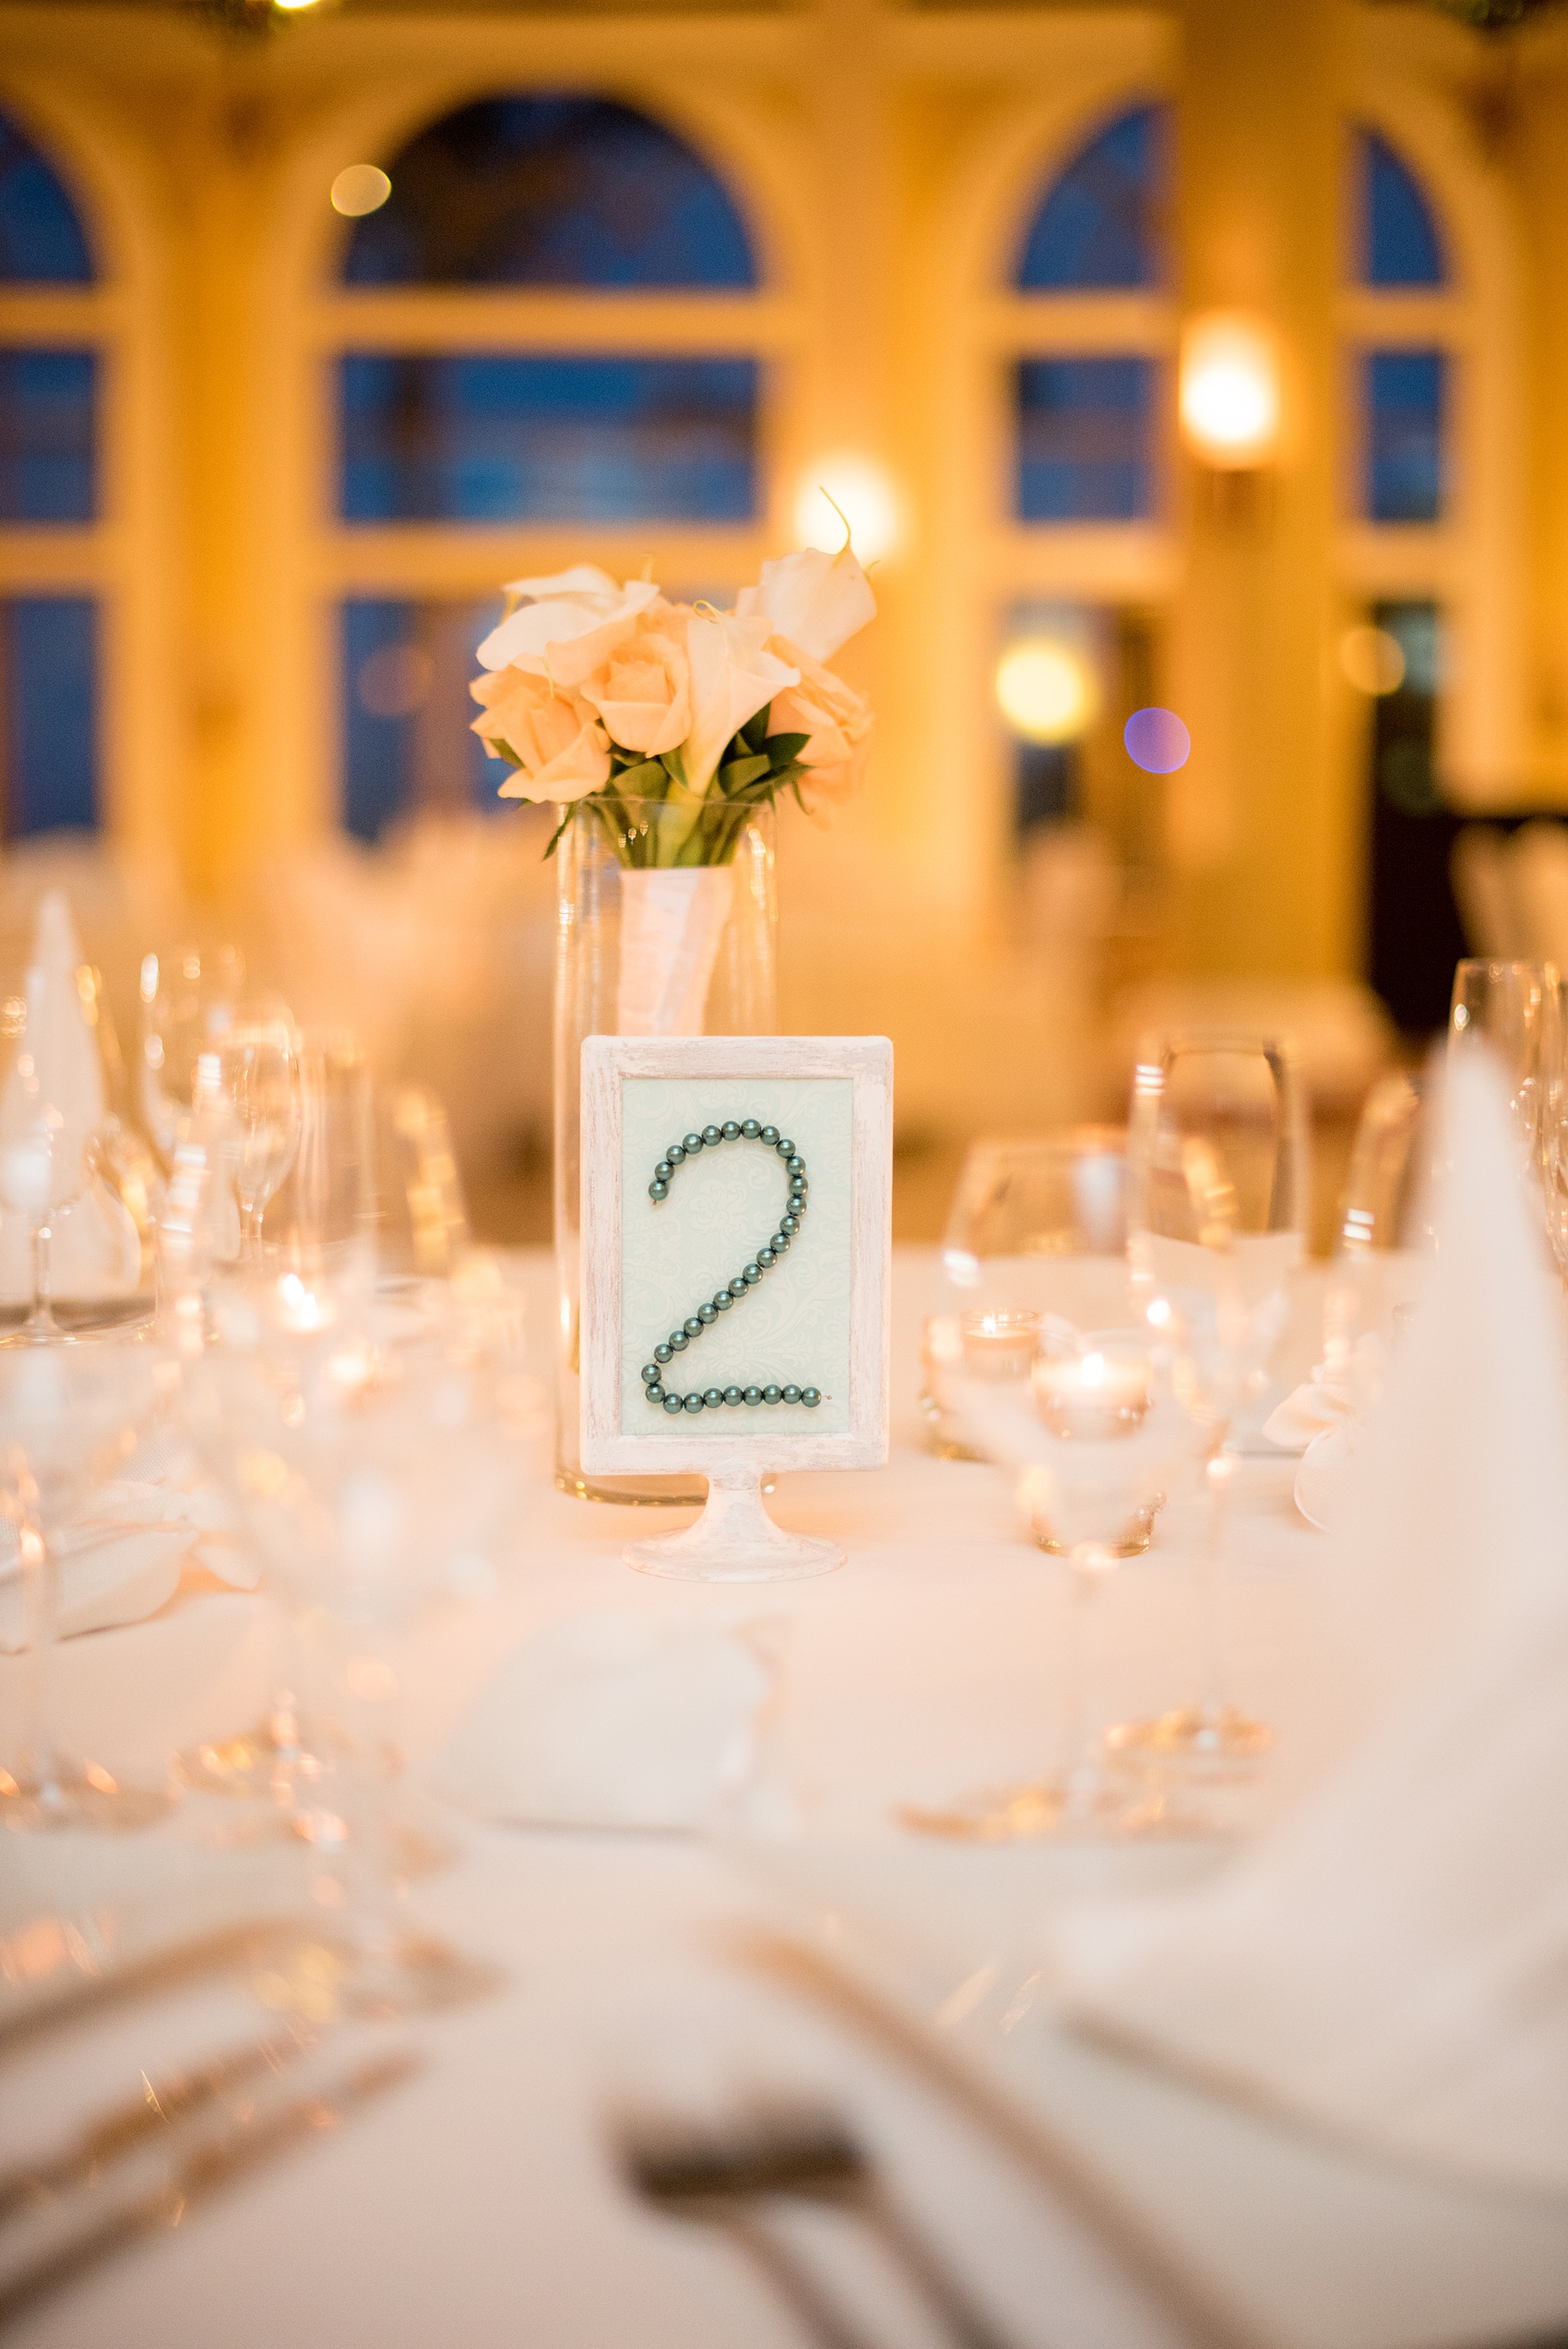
x: 667, y: 925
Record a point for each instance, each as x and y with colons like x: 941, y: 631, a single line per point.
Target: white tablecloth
x: 478, y: 2204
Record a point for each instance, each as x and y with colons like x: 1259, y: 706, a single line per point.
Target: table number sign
x: 736, y: 1207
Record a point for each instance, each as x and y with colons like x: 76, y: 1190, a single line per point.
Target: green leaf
x: 674, y: 767
x: 646, y: 780
x: 742, y: 771
x: 753, y: 733
x: 556, y: 836
x: 785, y: 749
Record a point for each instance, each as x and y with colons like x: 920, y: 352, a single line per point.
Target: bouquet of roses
x: 599, y: 693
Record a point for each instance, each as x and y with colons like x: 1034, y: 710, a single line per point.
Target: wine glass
x: 189, y: 998
x: 69, y: 1417
x: 1510, y: 1008
x: 1216, y: 1222
x: 42, y: 1160
x: 366, y: 1459
x: 1096, y: 1446
x: 261, y: 1075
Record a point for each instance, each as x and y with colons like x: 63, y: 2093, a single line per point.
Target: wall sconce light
x: 864, y: 497
x: 1046, y: 690
x: 1229, y: 391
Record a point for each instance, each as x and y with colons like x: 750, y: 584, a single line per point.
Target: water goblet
x: 1097, y: 1445
x: 1510, y: 1008
x: 1218, y: 1211
x: 189, y: 998
x: 367, y: 1465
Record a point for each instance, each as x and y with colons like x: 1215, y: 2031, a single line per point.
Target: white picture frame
x: 841, y: 1089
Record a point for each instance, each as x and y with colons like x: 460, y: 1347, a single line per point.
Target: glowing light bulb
x: 863, y: 495
x: 361, y: 188
x: 1046, y: 690
x: 1229, y: 392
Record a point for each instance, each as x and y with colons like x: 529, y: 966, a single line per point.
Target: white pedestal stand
x: 734, y: 1540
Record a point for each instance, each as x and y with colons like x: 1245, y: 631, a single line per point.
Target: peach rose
x: 837, y: 722
x: 566, y: 626
x: 643, y: 693
x: 562, y: 748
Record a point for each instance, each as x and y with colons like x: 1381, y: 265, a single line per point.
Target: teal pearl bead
x: 731, y: 1129
x: 732, y: 1394
x: 678, y: 1341
x: 692, y: 1402
x: 751, y: 1275
x: 692, y: 1326
x: 749, y: 1128
x: 722, y: 1301
x: 654, y: 1394
x: 791, y: 1394
x: 661, y: 1353
x: 810, y: 1397
x: 690, y: 1144
x: 706, y: 1314
x: 790, y: 1225
x: 752, y: 1395
x: 663, y: 1171
x: 676, y: 1152
x: 768, y: 1134
x: 737, y: 1287
x: 714, y: 1398
x: 796, y: 1164
x: 659, y: 1191
x: 713, y: 1135
x: 674, y: 1402
x: 771, y: 1394
x: 784, y: 1147
x: 765, y: 1259
x: 779, y: 1242
x: 651, y: 1374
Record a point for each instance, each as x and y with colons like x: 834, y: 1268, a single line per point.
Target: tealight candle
x: 1099, y: 1380
x: 999, y: 1345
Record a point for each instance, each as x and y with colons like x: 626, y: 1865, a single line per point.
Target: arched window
x: 552, y: 313
x: 1091, y: 322
x: 50, y: 502
x: 1405, y: 391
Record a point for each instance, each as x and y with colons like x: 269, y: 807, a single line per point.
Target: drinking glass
x: 261, y: 1075
x: 1510, y: 1008
x: 365, y: 1458
x: 1551, y: 1146
x: 69, y: 1417
x: 1097, y: 1448
x: 189, y: 999
x: 1216, y: 1222
x: 421, y: 1217
x: 43, y: 1167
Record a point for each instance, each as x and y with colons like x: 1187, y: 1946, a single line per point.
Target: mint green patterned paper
x: 723, y: 1205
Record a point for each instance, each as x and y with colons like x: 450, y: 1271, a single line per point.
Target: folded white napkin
x: 120, y: 1556
x: 612, y: 1721
x: 1389, y: 1962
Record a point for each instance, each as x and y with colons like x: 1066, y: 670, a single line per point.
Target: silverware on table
x: 728, y: 2175
x: 252, y: 2134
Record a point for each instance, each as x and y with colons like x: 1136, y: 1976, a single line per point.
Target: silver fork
x: 723, y: 2174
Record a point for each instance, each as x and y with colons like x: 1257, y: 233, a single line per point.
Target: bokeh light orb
x: 1156, y: 740
x: 1372, y: 659
x: 863, y: 493
x: 1046, y: 690
x: 1228, y: 395
x: 361, y: 188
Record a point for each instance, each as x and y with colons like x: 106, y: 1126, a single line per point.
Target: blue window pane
x: 1099, y: 224
x: 1399, y: 243
x: 40, y: 235
x: 551, y: 191
x: 48, y: 430
x: 406, y: 709
x: 49, y: 686
x: 1406, y: 403
x: 483, y: 439
x: 1086, y: 434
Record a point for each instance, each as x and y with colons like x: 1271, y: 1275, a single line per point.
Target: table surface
x: 479, y: 2201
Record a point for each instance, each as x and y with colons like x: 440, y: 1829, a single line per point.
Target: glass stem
x: 1212, y: 1698
x: 41, y: 1318
x: 250, y: 1235
x: 38, y: 1763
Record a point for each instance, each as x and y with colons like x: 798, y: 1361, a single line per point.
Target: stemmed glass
x: 1097, y: 1447
x: 1511, y: 1009
x: 367, y: 1464
x: 43, y: 1163
x: 1217, y: 1224
x: 261, y: 1075
x: 69, y: 1415
x: 189, y: 999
